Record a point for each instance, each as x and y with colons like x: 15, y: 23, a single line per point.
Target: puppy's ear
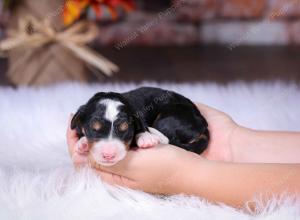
x: 78, y: 117
x: 97, y: 97
x: 82, y: 111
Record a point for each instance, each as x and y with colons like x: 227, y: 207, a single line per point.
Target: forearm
x: 251, y: 146
x: 235, y: 184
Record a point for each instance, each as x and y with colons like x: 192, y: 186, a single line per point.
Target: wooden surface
x: 200, y: 64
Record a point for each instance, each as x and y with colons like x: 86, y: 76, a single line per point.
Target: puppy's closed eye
x: 123, y: 126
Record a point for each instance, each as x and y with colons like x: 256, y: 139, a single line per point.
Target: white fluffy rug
x: 37, y: 180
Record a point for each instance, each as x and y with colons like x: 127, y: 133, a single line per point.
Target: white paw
x: 146, y: 139
x: 162, y: 138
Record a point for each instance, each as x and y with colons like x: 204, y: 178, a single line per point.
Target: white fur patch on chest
x: 112, y: 110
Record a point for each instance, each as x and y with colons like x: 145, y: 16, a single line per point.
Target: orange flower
x: 73, y: 9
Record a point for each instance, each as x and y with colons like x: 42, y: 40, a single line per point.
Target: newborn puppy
x: 109, y: 124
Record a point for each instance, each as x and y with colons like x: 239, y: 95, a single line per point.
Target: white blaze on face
x: 110, y: 150
x: 112, y: 110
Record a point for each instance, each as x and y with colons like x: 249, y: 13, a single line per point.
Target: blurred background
x: 160, y: 40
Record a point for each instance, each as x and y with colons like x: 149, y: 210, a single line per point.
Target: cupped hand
x: 158, y: 169
x: 222, y: 132
x: 153, y: 170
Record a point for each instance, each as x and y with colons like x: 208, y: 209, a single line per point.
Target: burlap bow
x: 32, y: 33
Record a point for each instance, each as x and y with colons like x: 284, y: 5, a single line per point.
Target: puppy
x: 110, y: 124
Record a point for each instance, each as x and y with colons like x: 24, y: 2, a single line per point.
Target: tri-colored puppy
x: 109, y: 124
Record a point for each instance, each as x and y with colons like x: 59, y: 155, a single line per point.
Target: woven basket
x: 50, y: 63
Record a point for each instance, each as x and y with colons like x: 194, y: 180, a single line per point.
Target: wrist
x: 189, y: 174
x: 241, y: 140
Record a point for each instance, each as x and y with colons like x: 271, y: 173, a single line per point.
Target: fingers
x: 71, y: 137
x: 208, y: 111
x: 79, y: 160
x: 111, y: 178
x: 126, y: 167
x: 118, y: 174
x: 114, y: 179
x: 205, y: 108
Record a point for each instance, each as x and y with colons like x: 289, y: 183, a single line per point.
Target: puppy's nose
x: 109, y: 156
x: 109, y: 152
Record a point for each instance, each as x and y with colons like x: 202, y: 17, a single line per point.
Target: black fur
x: 170, y: 113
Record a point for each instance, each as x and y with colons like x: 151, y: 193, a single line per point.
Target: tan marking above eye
x: 97, y: 125
x: 123, y: 126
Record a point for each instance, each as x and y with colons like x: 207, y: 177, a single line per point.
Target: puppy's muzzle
x: 108, y: 152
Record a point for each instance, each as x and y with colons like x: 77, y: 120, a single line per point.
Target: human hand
x: 154, y: 170
x: 222, y: 132
x: 142, y: 169
x: 78, y: 148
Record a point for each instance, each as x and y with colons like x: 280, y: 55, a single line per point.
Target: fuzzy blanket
x: 37, y: 180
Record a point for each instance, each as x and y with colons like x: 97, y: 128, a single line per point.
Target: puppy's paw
x: 146, y: 140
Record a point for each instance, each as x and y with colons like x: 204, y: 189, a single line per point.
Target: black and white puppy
x: 109, y: 124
